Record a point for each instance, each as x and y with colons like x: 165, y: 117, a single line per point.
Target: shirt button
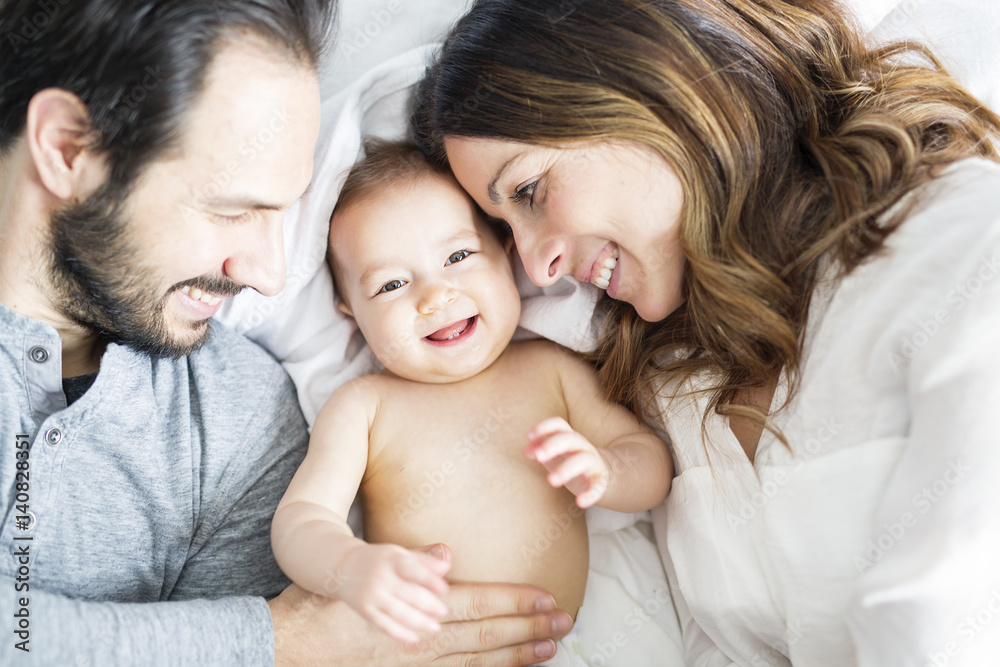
x: 53, y: 436
x: 39, y: 354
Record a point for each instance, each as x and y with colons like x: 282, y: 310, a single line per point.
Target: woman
x: 799, y: 256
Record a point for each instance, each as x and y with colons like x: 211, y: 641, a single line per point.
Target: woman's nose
x: 436, y: 297
x: 546, y: 264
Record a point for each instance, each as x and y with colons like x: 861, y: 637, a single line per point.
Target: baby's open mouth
x: 453, y: 330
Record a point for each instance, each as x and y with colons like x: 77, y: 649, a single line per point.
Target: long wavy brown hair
x: 790, y: 134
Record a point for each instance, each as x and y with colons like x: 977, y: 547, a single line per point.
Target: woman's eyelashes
x: 525, y: 195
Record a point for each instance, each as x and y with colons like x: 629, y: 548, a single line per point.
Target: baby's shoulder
x: 540, y: 347
x: 539, y: 350
x: 360, y: 395
x: 545, y: 355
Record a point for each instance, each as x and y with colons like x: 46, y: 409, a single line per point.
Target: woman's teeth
x: 198, y: 295
x: 603, y: 279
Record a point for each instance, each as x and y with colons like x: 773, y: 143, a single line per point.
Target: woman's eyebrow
x: 491, y: 189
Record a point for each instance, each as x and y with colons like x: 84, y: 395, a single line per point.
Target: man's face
x: 201, y: 223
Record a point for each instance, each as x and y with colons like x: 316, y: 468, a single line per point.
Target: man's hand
x: 504, y: 625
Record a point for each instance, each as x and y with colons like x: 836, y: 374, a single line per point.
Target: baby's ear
x: 345, y: 308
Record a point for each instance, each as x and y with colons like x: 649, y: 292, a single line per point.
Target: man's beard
x: 101, y: 282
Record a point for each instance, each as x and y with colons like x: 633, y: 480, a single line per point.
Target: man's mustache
x: 222, y: 286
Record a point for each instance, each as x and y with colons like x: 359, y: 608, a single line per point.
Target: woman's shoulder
x: 960, y: 205
x: 951, y: 231
x: 944, y: 256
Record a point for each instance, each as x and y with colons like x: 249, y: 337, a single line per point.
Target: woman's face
x: 605, y: 213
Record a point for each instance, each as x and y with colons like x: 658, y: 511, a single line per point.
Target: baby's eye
x: 456, y: 257
x: 525, y: 193
x: 390, y: 286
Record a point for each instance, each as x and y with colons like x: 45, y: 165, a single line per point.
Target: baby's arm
x: 395, y: 589
x: 602, y: 453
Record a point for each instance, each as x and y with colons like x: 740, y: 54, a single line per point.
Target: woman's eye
x: 390, y: 286
x: 527, y: 193
x: 456, y: 257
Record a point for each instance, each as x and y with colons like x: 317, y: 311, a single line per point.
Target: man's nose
x: 259, y: 262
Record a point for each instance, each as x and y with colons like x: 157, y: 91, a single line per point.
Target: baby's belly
x: 500, y: 518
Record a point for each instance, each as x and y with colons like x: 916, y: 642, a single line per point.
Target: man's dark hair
x: 138, y: 65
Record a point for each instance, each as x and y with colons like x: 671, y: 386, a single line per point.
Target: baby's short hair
x: 385, y: 163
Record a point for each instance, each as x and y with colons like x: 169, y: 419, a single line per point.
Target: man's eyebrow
x: 249, y: 203
x: 491, y: 189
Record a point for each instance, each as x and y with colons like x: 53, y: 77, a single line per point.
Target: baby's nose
x: 435, y: 298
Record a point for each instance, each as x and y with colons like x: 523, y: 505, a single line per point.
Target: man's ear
x: 58, y: 134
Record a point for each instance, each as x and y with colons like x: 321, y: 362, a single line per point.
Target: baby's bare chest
x: 448, y: 430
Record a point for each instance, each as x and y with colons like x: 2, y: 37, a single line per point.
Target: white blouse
x: 875, y: 541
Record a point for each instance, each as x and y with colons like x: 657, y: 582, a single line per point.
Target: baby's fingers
x: 584, y: 464
x: 424, y: 601
x: 595, y: 491
x: 556, y: 445
x: 395, y: 623
x: 547, y: 427
x: 425, y: 571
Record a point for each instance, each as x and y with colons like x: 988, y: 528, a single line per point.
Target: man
x: 148, y: 150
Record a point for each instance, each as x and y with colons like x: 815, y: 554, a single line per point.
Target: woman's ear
x: 59, y: 134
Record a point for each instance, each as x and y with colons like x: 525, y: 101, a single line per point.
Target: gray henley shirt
x: 136, y: 523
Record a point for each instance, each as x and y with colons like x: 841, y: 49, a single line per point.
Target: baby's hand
x: 570, y: 459
x: 397, y: 590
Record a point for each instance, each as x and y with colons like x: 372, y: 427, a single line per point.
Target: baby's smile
x: 454, y: 333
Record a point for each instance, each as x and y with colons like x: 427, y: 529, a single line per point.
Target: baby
x: 465, y: 438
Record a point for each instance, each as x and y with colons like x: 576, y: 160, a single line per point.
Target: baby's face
x: 430, y: 286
